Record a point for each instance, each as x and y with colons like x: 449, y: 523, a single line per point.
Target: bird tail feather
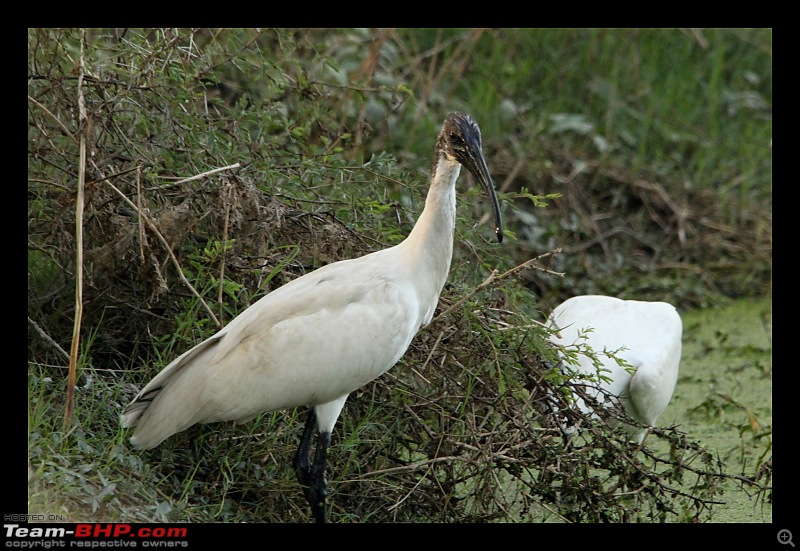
x: 170, y: 403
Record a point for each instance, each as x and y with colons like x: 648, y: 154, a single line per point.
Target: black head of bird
x: 460, y: 140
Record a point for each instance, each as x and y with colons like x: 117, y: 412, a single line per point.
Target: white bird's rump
x: 352, y: 314
x: 646, y: 335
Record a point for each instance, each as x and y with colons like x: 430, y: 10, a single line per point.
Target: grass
x: 663, y: 98
x: 652, y: 147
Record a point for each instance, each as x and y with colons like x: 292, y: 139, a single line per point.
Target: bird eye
x: 456, y: 140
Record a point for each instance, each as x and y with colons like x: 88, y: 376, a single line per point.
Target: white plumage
x: 353, y: 316
x: 323, y: 335
x: 646, y: 335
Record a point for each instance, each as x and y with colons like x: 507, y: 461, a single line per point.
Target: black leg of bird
x: 317, y: 484
x: 302, y: 457
x: 312, y: 476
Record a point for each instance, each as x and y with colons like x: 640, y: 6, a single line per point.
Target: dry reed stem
x: 76, y: 328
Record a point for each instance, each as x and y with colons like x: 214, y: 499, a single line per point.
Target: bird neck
x: 429, y: 246
x: 432, y: 235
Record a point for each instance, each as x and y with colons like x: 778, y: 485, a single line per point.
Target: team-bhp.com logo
x: 94, y: 535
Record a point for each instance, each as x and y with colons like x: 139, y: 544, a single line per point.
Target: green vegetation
x: 222, y: 163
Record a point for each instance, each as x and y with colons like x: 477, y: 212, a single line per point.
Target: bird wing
x: 309, y: 342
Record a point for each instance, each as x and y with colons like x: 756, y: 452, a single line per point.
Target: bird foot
x: 315, y: 488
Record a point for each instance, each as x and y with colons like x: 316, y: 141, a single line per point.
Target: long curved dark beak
x: 476, y: 164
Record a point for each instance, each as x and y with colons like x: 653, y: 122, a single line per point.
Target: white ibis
x: 646, y: 335
x: 323, y: 335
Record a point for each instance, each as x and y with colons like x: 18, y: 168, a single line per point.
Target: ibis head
x: 460, y: 139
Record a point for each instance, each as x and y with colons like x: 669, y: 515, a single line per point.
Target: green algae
x: 723, y: 398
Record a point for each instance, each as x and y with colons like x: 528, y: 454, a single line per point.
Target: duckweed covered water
x: 723, y: 398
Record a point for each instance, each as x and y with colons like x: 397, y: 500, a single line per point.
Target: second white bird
x: 646, y: 335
